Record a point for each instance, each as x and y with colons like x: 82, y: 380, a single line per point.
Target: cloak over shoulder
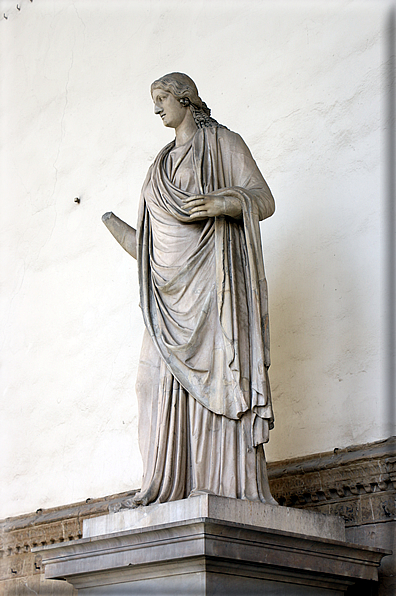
x: 208, y: 314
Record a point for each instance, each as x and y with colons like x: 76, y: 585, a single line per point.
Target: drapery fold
x: 203, y: 295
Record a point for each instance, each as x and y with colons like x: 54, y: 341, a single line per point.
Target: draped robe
x: 203, y: 391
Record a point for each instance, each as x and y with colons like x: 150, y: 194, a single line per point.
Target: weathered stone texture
x: 357, y: 483
x: 20, y: 570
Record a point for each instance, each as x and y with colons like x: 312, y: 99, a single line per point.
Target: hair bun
x: 205, y: 108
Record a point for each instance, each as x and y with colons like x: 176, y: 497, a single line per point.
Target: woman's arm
x: 122, y: 232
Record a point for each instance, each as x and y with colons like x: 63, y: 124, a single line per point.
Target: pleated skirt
x: 189, y: 450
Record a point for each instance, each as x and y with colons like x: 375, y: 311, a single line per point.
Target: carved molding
x: 357, y: 483
x: 47, y: 526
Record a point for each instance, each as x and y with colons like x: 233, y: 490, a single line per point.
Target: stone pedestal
x: 210, y: 545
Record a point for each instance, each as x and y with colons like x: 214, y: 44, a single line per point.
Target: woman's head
x: 185, y: 90
x: 180, y: 85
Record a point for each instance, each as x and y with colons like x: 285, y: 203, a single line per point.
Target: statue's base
x: 210, y: 545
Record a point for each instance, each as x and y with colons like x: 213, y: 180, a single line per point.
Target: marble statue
x: 204, y: 398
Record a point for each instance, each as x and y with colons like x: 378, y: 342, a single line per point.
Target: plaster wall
x: 305, y: 84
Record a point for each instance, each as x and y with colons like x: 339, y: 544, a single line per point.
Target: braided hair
x: 185, y: 90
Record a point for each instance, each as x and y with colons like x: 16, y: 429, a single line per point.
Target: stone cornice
x: 358, y: 482
x: 380, y: 450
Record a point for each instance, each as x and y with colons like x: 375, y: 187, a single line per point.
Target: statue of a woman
x: 204, y: 398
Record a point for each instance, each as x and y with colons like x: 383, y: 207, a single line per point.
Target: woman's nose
x: 157, y: 109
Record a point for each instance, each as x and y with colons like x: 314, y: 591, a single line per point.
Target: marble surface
x: 208, y: 506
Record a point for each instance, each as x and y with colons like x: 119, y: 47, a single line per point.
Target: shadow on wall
x: 323, y: 339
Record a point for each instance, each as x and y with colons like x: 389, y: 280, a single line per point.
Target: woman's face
x: 169, y: 108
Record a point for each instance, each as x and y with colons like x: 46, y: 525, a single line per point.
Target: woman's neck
x: 186, y: 130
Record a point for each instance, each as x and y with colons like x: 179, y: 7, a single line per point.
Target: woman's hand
x: 203, y: 206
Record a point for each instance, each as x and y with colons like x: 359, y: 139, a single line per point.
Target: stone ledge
x: 253, y: 513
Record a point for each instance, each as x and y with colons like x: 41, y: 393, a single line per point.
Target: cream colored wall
x: 305, y: 86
